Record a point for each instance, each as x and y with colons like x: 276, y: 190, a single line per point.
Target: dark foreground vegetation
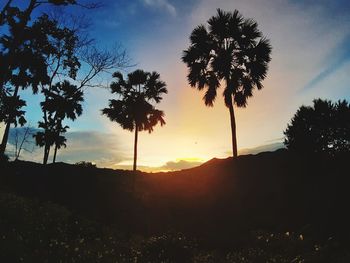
x: 270, y: 207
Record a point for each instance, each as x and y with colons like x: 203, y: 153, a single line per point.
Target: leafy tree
x: 61, y: 62
x: 21, y: 53
x: 134, y: 110
x: 31, y: 53
x: 321, y: 128
x: 70, y: 49
x: 11, y: 107
x: 230, y: 52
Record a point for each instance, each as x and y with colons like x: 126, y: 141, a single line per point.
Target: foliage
x: 32, y: 231
x: 134, y: 110
x: 62, y: 100
x: 85, y: 164
x: 204, y: 204
x: 37, y: 53
x: 169, y: 247
x: 322, y: 128
x: 230, y: 50
x: 11, y: 110
x: 24, y: 47
x: 35, y: 231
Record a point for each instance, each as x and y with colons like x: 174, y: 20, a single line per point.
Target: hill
x: 272, y: 190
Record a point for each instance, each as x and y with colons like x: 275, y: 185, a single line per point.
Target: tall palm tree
x: 134, y: 110
x: 231, y: 52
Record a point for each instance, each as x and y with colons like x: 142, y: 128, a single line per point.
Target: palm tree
x: 62, y: 101
x: 60, y: 141
x: 133, y: 110
x: 230, y: 52
x: 24, y: 47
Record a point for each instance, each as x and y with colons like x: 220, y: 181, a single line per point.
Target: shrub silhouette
x: 85, y: 164
x: 321, y: 128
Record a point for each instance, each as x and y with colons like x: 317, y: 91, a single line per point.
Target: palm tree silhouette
x: 133, y: 110
x: 60, y: 141
x: 62, y: 101
x: 232, y: 52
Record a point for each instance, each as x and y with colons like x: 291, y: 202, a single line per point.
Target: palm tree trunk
x: 54, y: 154
x: 5, y: 138
x: 8, y: 125
x: 233, y: 129
x: 135, y: 147
x: 46, y: 153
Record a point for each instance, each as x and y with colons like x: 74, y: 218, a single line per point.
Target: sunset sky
x: 310, y: 59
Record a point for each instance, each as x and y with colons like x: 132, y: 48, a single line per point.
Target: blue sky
x: 310, y: 59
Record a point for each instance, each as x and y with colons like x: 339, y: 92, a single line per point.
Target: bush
x: 323, y: 128
x: 86, y: 164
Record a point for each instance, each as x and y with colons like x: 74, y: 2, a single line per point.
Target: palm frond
x: 133, y: 108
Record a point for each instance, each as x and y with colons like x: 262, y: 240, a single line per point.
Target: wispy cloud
x: 337, y: 59
x: 161, y: 4
x: 104, y: 149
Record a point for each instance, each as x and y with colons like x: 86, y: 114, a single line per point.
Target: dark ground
x: 270, y: 207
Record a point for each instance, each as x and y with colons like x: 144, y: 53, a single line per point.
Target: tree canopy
x: 321, y: 128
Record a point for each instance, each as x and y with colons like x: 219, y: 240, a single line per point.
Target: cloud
x: 104, y: 149
x: 262, y: 148
x: 336, y: 61
x: 168, y: 166
x: 180, y: 164
x: 161, y: 4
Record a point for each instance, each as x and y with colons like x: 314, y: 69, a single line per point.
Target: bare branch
x: 20, y: 142
x: 92, y: 5
x: 102, y: 61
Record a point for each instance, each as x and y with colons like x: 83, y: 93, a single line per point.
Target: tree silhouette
x: 62, y: 101
x: 321, y: 128
x: 134, y: 110
x: 59, y: 141
x: 231, y: 50
x: 22, y: 48
x: 71, y: 51
x: 32, y: 52
x: 22, y: 141
x: 10, y: 110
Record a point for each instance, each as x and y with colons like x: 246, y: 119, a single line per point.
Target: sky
x: 310, y: 59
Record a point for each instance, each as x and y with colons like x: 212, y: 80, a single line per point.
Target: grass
x: 37, y: 231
